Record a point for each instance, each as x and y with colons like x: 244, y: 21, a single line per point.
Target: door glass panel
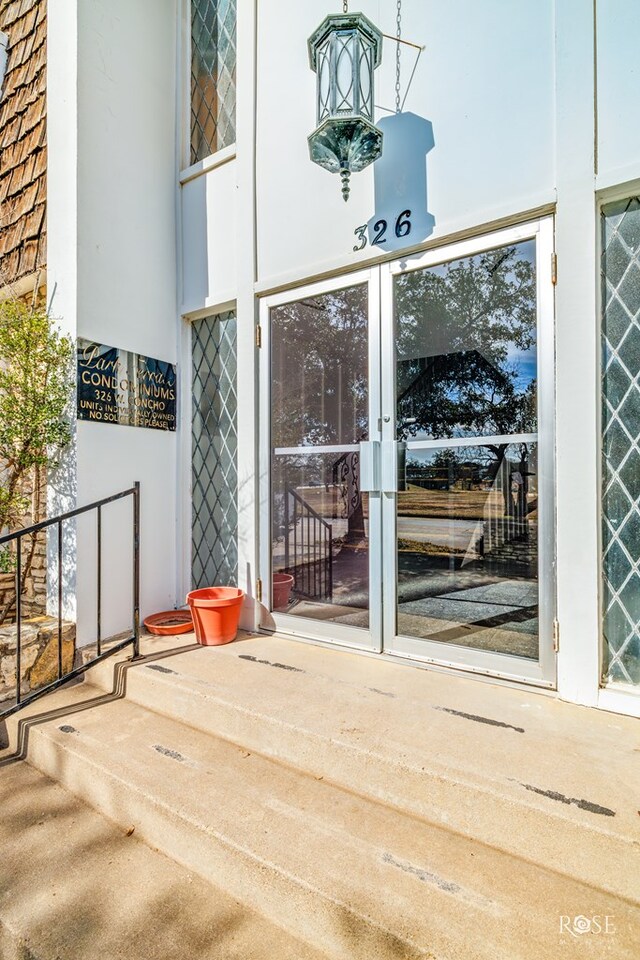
x: 466, y: 346
x: 467, y: 547
x: 320, y: 522
x: 320, y: 399
x: 319, y: 388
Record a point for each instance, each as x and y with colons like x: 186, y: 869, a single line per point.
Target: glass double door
x: 407, y: 457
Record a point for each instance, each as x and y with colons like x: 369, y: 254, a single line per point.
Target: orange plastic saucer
x: 169, y: 623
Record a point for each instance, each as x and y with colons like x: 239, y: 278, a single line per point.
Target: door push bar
x: 370, y: 466
x: 383, y: 466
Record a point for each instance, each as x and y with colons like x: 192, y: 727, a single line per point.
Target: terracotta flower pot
x: 216, y: 614
x: 282, y: 586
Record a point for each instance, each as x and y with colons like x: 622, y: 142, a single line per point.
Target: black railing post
x: 316, y: 570
x: 59, y: 599
x: 286, y: 530
x: 18, y: 618
x: 99, y: 584
x: 136, y: 569
x: 295, y: 536
x: 308, y: 552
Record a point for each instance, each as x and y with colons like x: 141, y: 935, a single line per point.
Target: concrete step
x: 354, y: 878
x: 544, y: 780
x: 74, y: 886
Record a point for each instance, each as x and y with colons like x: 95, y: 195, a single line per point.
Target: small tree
x: 35, y: 386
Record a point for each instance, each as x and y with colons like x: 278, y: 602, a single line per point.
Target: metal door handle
x: 392, y: 468
x: 370, y: 466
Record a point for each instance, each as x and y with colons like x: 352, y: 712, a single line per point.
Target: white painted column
x: 62, y: 258
x: 578, y: 490
x: 248, y: 425
x: 183, y: 329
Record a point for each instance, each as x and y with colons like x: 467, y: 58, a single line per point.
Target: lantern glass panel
x: 366, y: 86
x: 324, y: 82
x: 346, y: 45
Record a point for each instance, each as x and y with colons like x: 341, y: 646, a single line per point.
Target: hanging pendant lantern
x: 344, y: 51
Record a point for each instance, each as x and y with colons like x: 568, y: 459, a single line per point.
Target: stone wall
x: 515, y: 555
x: 39, y: 655
x: 34, y: 597
x: 7, y: 593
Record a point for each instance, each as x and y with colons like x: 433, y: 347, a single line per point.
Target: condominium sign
x: 117, y: 386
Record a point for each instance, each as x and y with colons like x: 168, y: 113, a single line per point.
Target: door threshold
x: 404, y: 660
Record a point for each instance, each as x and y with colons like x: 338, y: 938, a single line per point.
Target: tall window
x: 214, y: 476
x: 213, y: 76
x: 621, y: 439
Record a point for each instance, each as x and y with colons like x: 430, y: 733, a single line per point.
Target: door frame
x: 382, y: 636
x: 541, y: 672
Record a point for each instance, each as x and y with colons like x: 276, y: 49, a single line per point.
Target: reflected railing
x: 308, y: 550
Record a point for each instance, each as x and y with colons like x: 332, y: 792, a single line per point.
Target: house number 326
x: 380, y: 227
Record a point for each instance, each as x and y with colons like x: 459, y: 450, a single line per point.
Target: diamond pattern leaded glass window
x: 621, y: 439
x: 213, y: 76
x: 214, y: 470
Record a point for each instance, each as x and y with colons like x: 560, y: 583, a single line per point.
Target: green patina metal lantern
x: 344, y: 51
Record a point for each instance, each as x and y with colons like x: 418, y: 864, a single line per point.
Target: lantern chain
x: 398, y: 38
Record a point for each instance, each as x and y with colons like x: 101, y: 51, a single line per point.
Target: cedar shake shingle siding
x: 23, y: 140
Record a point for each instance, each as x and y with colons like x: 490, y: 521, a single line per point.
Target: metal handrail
x: 134, y: 639
x: 307, y: 506
x: 322, y: 586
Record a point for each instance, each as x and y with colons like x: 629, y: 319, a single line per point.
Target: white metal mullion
x: 472, y: 441
x: 264, y: 466
x: 546, y: 451
x: 465, y: 248
x: 388, y: 424
x: 312, y: 451
x: 375, y: 498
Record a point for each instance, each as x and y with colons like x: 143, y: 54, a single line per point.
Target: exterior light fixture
x: 343, y: 52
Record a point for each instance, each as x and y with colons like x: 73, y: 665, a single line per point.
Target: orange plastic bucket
x: 216, y: 614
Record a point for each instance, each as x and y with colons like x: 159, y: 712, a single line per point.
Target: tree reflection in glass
x: 467, y: 531
x: 466, y: 346
x: 319, y: 370
x: 320, y: 538
x: 467, y: 517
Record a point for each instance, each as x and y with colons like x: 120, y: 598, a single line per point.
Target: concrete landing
x: 74, y: 886
x: 544, y: 780
x: 336, y: 795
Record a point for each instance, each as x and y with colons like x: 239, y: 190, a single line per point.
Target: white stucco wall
x: 477, y: 142
x: 481, y: 104
x: 209, y: 228
x: 62, y: 256
x: 618, y: 90
x: 113, y: 269
x: 485, y: 83
x: 504, y: 116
